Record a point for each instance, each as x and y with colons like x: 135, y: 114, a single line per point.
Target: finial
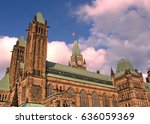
x: 112, y: 72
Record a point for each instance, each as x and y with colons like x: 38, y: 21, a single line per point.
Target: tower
x: 36, y: 47
x: 32, y: 87
x: 17, y: 60
x: 148, y: 75
x: 130, y: 85
x: 76, y: 60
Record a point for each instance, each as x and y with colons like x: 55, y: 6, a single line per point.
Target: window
x: 83, y: 99
x: 49, y: 90
x: 24, y: 93
x: 65, y: 104
x: 114, y: 101
x: 95, y: 100
x: 105, y: 101
x: 0, y: 97
x: 3, y: 98
x: 71, y: 91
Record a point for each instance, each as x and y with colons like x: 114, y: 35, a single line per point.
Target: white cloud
x: 6, y: 46
x: 58, y: 52
x: 121, y: 28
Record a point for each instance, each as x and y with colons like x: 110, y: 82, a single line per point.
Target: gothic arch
x: 65, y: 104
x: 83, y: 98
x: 106, y: 100
x: 3, y: 97
x: 49, y: 91
x: 71, y: 91
x: 114, y: 101
x: 95, y: 100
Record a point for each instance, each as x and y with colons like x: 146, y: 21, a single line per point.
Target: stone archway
x: 61, y: 100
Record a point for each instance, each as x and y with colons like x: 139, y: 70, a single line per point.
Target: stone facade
x: 33, y: 81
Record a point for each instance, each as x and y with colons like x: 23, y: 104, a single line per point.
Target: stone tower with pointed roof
x: 17, y: 60
x: 34, y: 79
x: 36, y: 47
x: 76, y: 60
x: 130, y: 85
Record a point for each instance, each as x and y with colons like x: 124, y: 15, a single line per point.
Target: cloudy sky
x: 107, y: 30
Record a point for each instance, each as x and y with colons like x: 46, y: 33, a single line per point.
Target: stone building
x: 33, y: 81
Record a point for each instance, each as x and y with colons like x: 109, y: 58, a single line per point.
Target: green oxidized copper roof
x: 76, y: 50
x: 79, y: 80
x: 32, y: 105
x: 4, y: 83
x: 147, y: 86
x: 40, y: 18
x: 123, y: 65
x: 22, y: 41
x: 76, y: 71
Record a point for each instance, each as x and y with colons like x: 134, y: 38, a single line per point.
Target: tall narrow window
x: 114, y: 101
x: 83, y: 99
x: 105, y: 101
x: 3, y: 98
x: 95, y: 100
x: 49, y: 90
x: 24, y: 93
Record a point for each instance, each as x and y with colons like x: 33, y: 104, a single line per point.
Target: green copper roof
x: 79, y: 80
x: 147, y: 86
x: 76, y: 50
x: 40, y: 18
x: 22, y: 41
x: 124, y: 65
x: 75, y: 71
x: 4, y: 83
x: 32, y: 105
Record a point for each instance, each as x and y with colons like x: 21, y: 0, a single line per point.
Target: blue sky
x: 107, y: 30
x: 16, y: 15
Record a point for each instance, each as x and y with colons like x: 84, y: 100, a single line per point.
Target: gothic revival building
x: 31, y: 80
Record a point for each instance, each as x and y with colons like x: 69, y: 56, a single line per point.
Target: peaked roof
x: 76, y: 71
x: 76, y: 50
x: 4, y: 83
x: 123, y: 65
x: 40, y: 18
x: 22, y: 41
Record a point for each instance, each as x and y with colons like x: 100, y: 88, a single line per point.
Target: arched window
x: 105, y: 101
x: 83, y: 99
x: 65, y: 104
x: 3, y: 97
x: 95, y: 100
x: 49, y: 90
x: 71, y: 91
x: 114, y: 101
